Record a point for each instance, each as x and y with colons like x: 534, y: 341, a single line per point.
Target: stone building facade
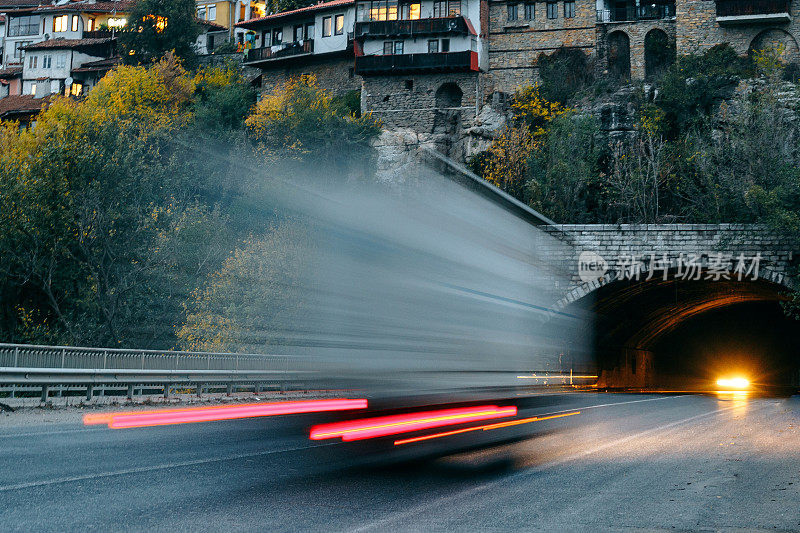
x: 335, y: 74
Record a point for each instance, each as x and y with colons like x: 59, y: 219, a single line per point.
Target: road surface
x: 626, y: 462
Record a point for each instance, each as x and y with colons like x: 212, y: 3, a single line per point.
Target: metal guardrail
x: 55, y: 366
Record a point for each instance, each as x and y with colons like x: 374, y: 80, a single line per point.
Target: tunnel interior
x: 676, y: 334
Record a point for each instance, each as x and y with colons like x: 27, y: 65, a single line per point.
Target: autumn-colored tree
x: 300, y: 121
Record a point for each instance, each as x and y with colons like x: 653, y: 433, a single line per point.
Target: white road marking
x: 151, y: 468
x: 383, y: 523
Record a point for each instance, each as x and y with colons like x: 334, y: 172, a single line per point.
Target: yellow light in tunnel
x: 734, y: 383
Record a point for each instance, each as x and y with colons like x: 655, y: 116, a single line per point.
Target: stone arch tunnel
x: 677, y: 306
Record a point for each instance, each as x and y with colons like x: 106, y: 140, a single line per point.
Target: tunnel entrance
x: 678, y: 334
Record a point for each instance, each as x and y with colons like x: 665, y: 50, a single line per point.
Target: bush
x: 691, y: 88
x: 564, y: 73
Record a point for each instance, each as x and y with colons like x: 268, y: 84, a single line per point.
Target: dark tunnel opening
x: 686, y: 334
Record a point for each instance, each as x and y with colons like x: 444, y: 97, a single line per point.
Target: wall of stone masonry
x: 397, y: 106
x: 334, y: 74
x: 697, y: 28
x: 636, y: 32
x: 514, y: 46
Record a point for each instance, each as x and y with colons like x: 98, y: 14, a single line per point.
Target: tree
x: 301, y: 122
x: 156, y: 27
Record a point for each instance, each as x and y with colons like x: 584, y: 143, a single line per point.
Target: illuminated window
x: 409, y: 11
x: 33, y: 89
x: 90, y: 25
x: 75, y: 89
x: 75, y: 19
x: 114, y: 22
x: 60, y: 23
x: 454, y: 8
x: 569, y: 9
x: 552, y: 10
x: 326, y: 26
x: 339, y: 25
x: 511, y: 10
x: 530, y: 11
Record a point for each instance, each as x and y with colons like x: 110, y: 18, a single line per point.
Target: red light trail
x: 163, y: 417
x: 368, y: 428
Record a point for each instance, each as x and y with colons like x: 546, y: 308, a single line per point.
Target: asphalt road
x: 626, y: 462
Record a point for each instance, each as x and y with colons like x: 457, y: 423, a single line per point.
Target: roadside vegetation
x: 128, y: 217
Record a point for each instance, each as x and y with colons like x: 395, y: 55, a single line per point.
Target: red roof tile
x: 89, y: 7
x: 10, y: 72
x: 312, y: 8
x: 22, y: 104
x: 55, y: 44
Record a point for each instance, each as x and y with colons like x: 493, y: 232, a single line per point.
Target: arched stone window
x: 659, y: 53
x: 619, y: 55
x: 448, y: 95
x: 773, y: 39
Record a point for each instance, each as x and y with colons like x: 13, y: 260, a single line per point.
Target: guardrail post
x: 16, y: 356
x: 142, y: 360
x: 200, y: 389
x: 230, y: 389
x: 63, y: 356
x: 130, y: 391
x: 45, y: 392
x: 256, y: 387
x: 166, y: 390
x: 89, y: 391
x: 105, y: 356
x: 208, y: 362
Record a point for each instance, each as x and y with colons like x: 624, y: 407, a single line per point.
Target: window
x: 309, y: 34
x: 339, y: 25
x: 552, y: 10
x: 398, y: 48
x: 298, y: 33
x: 512, y: 12
x: 201, y: 12
x: 90, y: 25
x: 361, y: 12
x: 19, y: 26
x: 265, y: 38
x: 47, y: 61
x: 60, y: 23
x: 445, y: 45
x: 433, y: 46
x: 75, y: 19
x: 277, y: 36
x: 326, y: 26
x: 530, y: 11
x: 410, y: 11
x: 439, y: 8
x: 388, y: 48
x: 117, y: 22
x: 209, y: 42
x: 212, y: 12
x: 61, y: 60
x: 33, y: 61
x: 453, y: 8
x: 569, y: 9
x: 75, y: 89
x: 18, y: 48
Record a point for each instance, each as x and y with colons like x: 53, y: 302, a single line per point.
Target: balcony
x: 632, y: 13
x: 731, y: 12
x: 407, y: 63
x: 271, y: 53
x: 411, y: 28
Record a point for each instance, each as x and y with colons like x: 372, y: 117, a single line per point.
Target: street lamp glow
x: 734, y: 383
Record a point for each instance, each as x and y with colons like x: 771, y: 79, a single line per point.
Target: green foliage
x: 223, y: 98
x: 348, y: 103
x: 301, y: 122
x: 564, y: 73
x: 565, y: 178
x: 156, y: 27
x: 690, y: 89
x: 288, y: 5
